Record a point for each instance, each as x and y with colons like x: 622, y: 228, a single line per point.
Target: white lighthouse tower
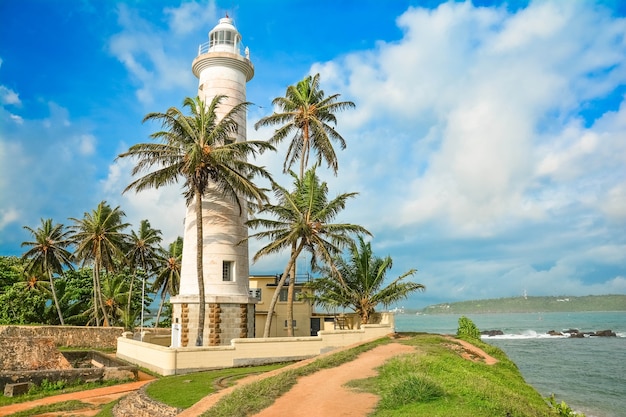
x: 222, y: 70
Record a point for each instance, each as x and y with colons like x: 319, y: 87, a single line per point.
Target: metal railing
x: 203, y: 48
x: 300, y: 278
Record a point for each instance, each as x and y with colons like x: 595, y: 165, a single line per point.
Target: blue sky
x: 488, y: 143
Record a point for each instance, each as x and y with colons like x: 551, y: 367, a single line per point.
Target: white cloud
x: 190, y: 16
x: 476, y: 125
x: 153, y: 56
x: 86, y: 144
x: 8, y: 96
x: 163, y: 207
x: 475, y: 107
x: 7, y: 216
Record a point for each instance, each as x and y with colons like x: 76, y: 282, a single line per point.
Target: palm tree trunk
x: 95, y: 297
x: 55, y: 298
x: 105, y: 316
x: 304, y: 160
x: 143, y: 295
x: 158, y: 316
x: 200, y: 269
x: 281, y: 282
x: 291, y: 292
x: 130, y: 292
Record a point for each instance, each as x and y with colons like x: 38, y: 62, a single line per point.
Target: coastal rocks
x: 571, y: 333
x: 577, y: 334
x: 605, y: 333
x: 491, y: 333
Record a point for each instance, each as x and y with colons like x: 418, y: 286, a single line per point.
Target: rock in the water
x: 492, y: 333
x: 605, y: 333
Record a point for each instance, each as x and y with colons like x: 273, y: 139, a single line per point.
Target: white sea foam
x: 526, y: 334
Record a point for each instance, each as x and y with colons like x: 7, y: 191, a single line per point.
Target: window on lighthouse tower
x: 227, y: 271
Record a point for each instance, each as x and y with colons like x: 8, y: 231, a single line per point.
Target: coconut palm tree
x: 168, y: 276
x: 143, y: 253
x: 100, y: 239
x: 35, y: 280
x: 114, y: 290
x: 302, y: 222
x: 306, y: 114
x: 202, y: 150
x: 359, y: 282
x: 48, y: 254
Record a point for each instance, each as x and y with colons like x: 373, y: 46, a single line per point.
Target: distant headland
x: 613, y: 302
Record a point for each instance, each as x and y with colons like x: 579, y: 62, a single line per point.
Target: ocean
x: 589, y: 374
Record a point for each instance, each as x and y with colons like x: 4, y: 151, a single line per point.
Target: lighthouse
x: 222, y: 70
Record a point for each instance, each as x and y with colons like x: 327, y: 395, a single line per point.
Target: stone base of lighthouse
x: 226, y: 318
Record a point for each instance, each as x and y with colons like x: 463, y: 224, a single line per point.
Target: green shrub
x: 410, y: 389
x: 468, y: 329
x: 562, y: 409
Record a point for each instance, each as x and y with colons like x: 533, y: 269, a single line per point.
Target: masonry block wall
x: 69, y: 336
x: 223, y: 322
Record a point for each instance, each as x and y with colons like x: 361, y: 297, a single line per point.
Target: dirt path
x: 97, y: 396
x: 471, y: 352
x: 323, y: 394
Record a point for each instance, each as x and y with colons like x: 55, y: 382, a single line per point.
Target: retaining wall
x: 69, y: 336
x: 106, y: 369
x: 243, y: 352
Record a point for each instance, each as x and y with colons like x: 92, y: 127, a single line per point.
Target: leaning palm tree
x: 142, y: 254
x: 302, y: 222
x: 307, y: 114
x: 48, y: 253
x: 168, y: 276
x: 359, y: 282
x: 200, y: 149
x: 100, y: 239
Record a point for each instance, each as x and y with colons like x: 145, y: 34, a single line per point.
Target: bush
x: 562, y: 409
x: 411, y: 389
x: 468, y: 329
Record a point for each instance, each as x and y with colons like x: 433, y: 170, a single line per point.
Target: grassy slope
x: 435, y: 381
x: 532, y: 305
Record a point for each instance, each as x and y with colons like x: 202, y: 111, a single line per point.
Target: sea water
x: 589, y: 374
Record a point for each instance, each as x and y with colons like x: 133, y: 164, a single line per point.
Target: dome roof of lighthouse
x: 225, y: 24
x: 224, y: 37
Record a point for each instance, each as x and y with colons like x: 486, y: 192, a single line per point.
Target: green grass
x: 437, y: 382
x: 183, y: 391
x: 52, y: 408
x: 254, y: 397
x: 434, y: 382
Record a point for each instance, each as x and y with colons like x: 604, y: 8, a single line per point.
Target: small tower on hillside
x: 222, y: 70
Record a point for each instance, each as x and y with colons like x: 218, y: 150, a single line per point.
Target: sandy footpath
x: 323, y: 394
